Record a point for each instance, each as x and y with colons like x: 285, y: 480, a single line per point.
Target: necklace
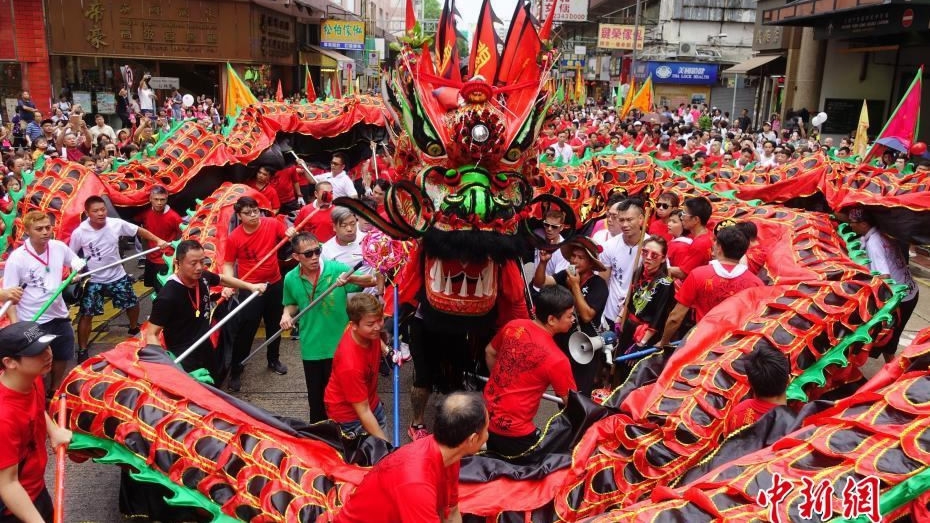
x: 195, y: 303
x: 36, y: 256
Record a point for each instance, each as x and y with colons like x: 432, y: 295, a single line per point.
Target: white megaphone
x: 582, y: 347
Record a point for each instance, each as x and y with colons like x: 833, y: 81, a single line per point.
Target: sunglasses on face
x: 551, y: 226
x: 662, y: 205
x: 651, y: 255
x: 310, y: 253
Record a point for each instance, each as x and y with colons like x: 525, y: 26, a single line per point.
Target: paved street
x: 92, y: 489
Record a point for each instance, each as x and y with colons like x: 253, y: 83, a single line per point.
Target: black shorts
x: 63, y: 345
x: 152, y: 270
x: 43, y: 504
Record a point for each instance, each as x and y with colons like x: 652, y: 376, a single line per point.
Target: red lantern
x: 918, y: 149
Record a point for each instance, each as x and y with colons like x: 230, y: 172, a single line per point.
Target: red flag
x: 546, y: 30
x: 336, y: 89
x: 522, y: 47
x: 484, y: 58
x: 279, y: 95
x: 447, y: 51
x: 901, y: 130
x: 311, y: 92
x: 411, y: 17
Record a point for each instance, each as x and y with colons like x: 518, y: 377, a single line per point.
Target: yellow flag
x: 629, y: 98
x: 861, y: 144
x: 643, y: 99
x: 579, y: 87
x: 238, y: 94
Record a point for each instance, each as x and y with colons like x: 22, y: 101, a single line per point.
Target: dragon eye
x: 434, y: 149
x: 512, y: 155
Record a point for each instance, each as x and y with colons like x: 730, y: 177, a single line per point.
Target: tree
x: 431, y: 10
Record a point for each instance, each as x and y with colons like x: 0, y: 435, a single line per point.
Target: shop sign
x: 682, y: 73
x: 106, y: 103
x: 164, y: 82
x: 566, y: 10
x: 83, y: 99
x: 612, y: 36
x: 572, y: 63
x: 275, y: 40
x: 889, y: 20
x: 217, y: 30
x: 342, y: 34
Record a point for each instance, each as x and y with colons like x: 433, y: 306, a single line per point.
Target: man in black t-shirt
x: 182, y: 309
x: 590, y: 293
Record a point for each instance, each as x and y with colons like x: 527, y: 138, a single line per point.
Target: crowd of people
x: 649, y: 271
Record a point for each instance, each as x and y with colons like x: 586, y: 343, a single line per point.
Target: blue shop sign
x: 682, y: 73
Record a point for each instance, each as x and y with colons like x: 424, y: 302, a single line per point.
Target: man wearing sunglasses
x: 321, y: 327
x: 552, y: 227
x: 255, y: 237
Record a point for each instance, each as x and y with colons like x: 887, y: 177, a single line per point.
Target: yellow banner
x: 342, y: 34
x: 612, y: 36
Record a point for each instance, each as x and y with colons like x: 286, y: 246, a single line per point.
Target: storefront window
x: 11, y: 85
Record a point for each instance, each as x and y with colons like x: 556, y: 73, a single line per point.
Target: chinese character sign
x: 859, y: 499
x: 566, y: 10
x: 611, y: 36
x: 342, y: 34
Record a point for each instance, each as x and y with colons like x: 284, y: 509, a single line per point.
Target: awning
x: 317, y: 56
x: 753, y: 63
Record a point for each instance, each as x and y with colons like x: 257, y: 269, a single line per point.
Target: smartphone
x: 572, y: 270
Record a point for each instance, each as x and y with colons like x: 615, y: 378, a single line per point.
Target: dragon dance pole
x: 396, y: 369
x: 118, y: 262
x: 636, y: 355
x: 312, y: 304
x: 59, y: 511
x: 5, y: 307
x: 216, y: 327
x: 61, y: 288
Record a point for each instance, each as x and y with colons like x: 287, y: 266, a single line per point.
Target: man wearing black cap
x: 25, y: 357
x: 589, y: 292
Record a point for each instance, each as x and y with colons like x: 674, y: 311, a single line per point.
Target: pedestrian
x: 182, y: 309
x: 255, y: 237
x: 345, y: 246
x: 419, y: 482
x: 886, y: 257
x: 262, y: 184
x: 37, y: 266
x: 98, y: 238
x: 590, y: 294
x: 25, y: 357
x: 147, y: 100
x: 694, y: 218
x: 26, y: 108
x: 618, y: 256
x: 163, y: 222
x: 320, y: 211
x: 552, y: 226
x: 351, y: 395
x: 768, y: 372
x: 321, y: 327
x: 709, y: 285
x: 524, y: 362
x: 287, y: 184
x: 342, y: 184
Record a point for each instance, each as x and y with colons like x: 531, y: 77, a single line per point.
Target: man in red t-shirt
x: 768, y: 371
x: 25, y: 356
x: 255, y: 237
x: 287, y: 184
x: 524, y: 361
x: 709, y: 285
x: 419, y: 482
x: 262, y: 183
x: 320, y: 210
x: 694, y: 219
x: 163, y: 222
x: 351, y: 395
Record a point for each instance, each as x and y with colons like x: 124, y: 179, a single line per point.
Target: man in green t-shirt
x: 322, y: 326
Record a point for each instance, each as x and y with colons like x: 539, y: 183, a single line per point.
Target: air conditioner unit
x: 686, y: 49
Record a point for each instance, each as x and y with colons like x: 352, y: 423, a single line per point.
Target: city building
x: 875, y: 48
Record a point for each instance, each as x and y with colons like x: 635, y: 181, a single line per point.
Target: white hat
x: 637, y: 122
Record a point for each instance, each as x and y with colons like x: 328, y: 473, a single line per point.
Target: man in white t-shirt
x: 101, y: 127
x: 563, y: 150
x: 619, y: 255
x: 37, y: 266
x: 98, y: 238
x: 342, y: 184
x: 346, y: 246
x: 612, y: 226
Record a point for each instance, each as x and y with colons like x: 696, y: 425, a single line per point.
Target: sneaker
x: 140, y: 264
x: 417, y: 432
x: 82, y: 355
x: 405, y: 351
x: 235, y: 384
x: 277, y: 367
x: 134, y: 332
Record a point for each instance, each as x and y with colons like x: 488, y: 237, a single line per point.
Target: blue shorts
x: 63, y: 345
x: 355, y: 427
x: 120, y: 290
